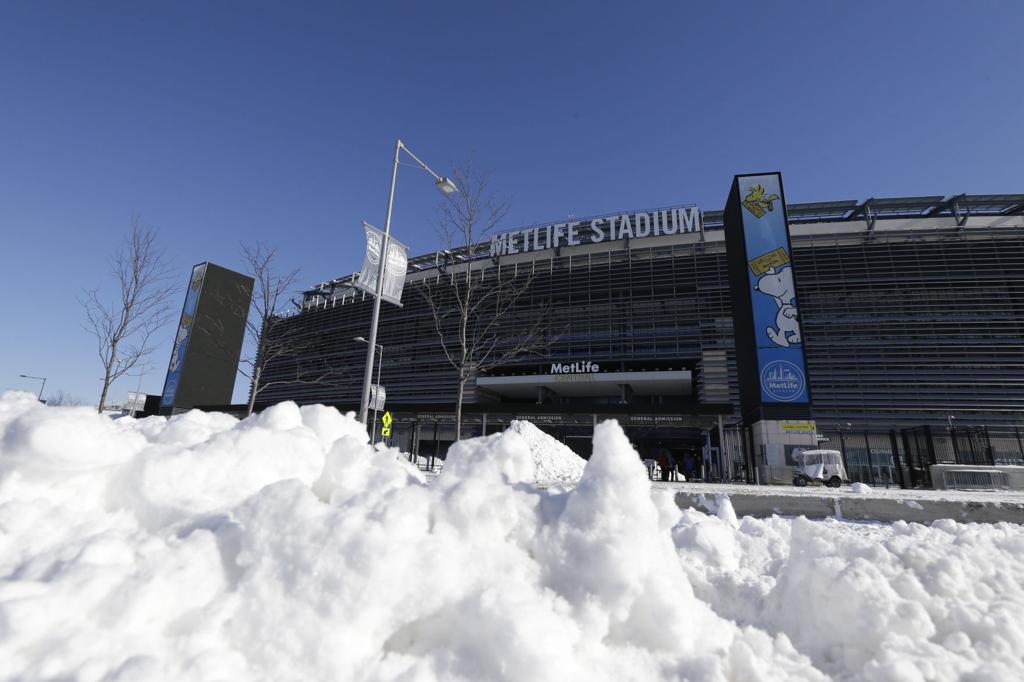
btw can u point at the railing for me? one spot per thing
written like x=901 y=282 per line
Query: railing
x=976 y=480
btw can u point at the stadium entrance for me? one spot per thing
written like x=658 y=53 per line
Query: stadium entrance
x=653 y=401
x=683 y=437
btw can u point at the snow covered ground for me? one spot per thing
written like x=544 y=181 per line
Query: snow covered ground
x=283 y=547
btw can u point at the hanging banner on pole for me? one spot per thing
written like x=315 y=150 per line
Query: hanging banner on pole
x=377 y=397
x=394 y=273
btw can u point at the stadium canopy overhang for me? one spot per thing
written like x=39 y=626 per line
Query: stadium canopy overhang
x=593 y=385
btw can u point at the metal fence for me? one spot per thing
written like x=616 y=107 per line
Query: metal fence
x=976 y=480
x=897 y=458
x=904 y=457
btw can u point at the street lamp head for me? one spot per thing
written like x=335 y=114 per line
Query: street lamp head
x=359 y=339
x=446 y=186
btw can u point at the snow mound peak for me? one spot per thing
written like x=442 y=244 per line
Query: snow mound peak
x=554 y=461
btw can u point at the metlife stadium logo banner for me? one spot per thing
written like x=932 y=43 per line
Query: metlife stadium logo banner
x=780 y=352
x=394 y=272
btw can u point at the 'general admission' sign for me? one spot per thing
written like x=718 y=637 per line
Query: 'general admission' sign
x=597 y=230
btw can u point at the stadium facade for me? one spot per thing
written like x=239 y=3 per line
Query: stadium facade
x=911 y=310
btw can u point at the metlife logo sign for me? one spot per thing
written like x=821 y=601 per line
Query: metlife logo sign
x=783 y=381
x=578 y=367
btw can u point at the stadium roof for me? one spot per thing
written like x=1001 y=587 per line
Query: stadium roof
x=896 y=207
x=959 y=206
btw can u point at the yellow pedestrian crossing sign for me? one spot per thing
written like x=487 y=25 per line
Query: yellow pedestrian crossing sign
x=385 y=429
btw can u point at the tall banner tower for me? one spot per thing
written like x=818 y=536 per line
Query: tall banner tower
x=208 y=342
x=774 y=390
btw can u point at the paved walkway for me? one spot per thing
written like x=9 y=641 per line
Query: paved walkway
x=876 y=504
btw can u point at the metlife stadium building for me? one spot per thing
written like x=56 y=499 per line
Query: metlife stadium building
x=911 y=321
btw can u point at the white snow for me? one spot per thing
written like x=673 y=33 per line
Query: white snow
x=554 y=462
x=870 y=601
x=284 y=547
x=859 y=488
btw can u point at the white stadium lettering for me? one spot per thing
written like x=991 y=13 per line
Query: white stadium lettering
x=639 y=225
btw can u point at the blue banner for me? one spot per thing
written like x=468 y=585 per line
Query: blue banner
x=188 y=314
x=780 y=350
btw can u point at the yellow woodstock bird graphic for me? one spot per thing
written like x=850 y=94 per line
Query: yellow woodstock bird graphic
x=757 y=203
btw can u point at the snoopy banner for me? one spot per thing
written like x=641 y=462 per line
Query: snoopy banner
x=776 y=320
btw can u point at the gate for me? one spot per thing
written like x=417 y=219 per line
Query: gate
x=971 y=445
x=920 y=452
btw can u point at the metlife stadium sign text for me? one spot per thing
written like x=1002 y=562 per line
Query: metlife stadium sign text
x=597 y=230
x=780 y=355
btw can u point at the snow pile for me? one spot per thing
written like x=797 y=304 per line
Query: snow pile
x=554 y=462
x=860 y=488
x=284 y=547
x=869 y=601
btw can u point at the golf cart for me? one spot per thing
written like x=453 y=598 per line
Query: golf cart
x=819 y=467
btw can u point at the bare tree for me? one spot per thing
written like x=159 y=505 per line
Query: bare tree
x=272 y=340
x=471 y=302
x=124 y=327
x=61 y=398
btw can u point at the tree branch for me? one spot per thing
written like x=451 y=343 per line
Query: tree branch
x=125 y=327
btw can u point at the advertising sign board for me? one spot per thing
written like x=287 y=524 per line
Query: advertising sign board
x=136 y=402
x=397 y=262
x=377 y=397
x=781 y=368
x=181 y=339
x=208 y=340
x=770 y=359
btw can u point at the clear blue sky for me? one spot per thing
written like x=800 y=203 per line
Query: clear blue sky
x=228 y=121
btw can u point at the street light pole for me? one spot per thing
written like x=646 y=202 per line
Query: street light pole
x=43 y=379
x=842 y=446
x=380 y=364
x=952 y=437
x=138 y=390
x=446 y=186
x=371 y=345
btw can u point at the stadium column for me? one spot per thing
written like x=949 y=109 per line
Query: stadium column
x=774 y=390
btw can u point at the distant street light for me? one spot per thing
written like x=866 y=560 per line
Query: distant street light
x=446 y=186
x=43 y=379
x=842 y=445
x=952 y=437
x=380 y=361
